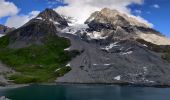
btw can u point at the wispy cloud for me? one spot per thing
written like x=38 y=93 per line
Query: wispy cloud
x=155 y=6
x=19 y=20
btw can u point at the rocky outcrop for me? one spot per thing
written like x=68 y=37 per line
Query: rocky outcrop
x=4 y=29
x=4 y=71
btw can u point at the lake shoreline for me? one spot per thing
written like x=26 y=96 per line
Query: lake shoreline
x=66 y=83
x=118 y=84
x=14 y=86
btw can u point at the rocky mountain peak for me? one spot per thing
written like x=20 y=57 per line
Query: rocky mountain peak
x=36 y=31
x=108 y=12
x=121 y=26
x=114 y=18
x=51 y=15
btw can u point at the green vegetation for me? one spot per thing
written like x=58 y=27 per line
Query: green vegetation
x=166 y=55
x=4 y=41
x=37 y=63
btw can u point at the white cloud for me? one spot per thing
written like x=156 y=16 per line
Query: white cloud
x=155 y=6
x=19 y=20
x=139 y=18
x=81 y=9
x=7 y=8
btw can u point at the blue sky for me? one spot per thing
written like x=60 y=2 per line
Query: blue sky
x=160 y=17
x=156 y=12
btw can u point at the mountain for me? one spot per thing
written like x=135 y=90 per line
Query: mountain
x=110 y=48
x=35 y=52
x=117 y=48
x=47 y=23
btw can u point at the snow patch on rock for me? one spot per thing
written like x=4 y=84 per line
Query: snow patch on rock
x=1 y=35
x=40 y=18
x=68 y=65
x=107 y=64
x=127 y=53
x=55 y=22
x=95 y=64
x=117 y=77
x=67 y=49
x=145 y=69
x=102 y=64
x=110 y=46
x=96 y=35
x=57 y=69
x=75 y=28
x=145 y=45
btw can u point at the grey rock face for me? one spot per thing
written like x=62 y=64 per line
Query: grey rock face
x=51 y=15
x=117 y=62
x=4 y=29
x=33 y=32
x=4 y=70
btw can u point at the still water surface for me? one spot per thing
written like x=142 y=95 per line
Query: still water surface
x=86 y=92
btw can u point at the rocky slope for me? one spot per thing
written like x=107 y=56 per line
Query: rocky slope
x=115 y=51
x=4 y=70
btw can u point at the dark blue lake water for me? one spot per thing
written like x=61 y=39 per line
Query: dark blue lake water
x=86 y=92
